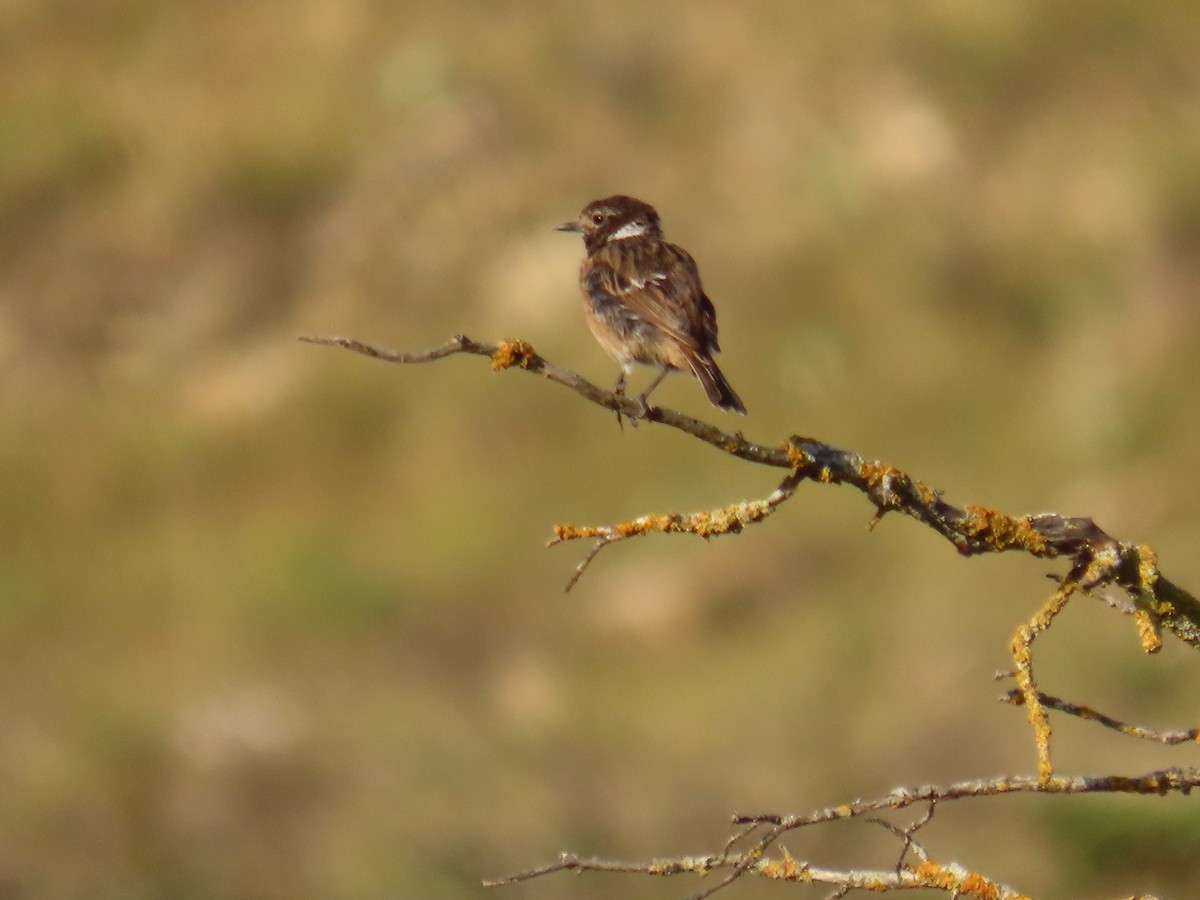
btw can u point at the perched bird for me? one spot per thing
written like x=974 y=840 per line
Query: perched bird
x=643 y=298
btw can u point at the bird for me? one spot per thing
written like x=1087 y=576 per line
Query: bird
x=644 y=301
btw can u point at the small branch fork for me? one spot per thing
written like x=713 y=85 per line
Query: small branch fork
x=757 y=834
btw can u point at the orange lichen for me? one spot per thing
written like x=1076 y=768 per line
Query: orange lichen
x=1149 y=631
x=576 y=532
x=977 y=886
x=1022 y=658
x=874 y=473
x=1147 y=567
x=512 y=352
x=729 y=519
x=968 y=884
x=646 y=524
x=934 y=875
x=1001 y=532
x=786 y=869
x=792 y=869
x=797 y=456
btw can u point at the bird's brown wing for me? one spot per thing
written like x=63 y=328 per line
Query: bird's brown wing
x=660 y=284
x=657 y=285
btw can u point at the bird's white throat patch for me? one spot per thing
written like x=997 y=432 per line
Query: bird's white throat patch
x=634 y=228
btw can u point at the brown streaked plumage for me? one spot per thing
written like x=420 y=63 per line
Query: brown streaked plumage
x=643 y=298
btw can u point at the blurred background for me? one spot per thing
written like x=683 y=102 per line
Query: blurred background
x=277 y=621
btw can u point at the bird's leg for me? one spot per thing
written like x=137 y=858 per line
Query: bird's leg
x=619 y=390
x=646 y=393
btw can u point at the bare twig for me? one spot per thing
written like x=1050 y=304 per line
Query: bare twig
x=1169 y=737
x=905 y=834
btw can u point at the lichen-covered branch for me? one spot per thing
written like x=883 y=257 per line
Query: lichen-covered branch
x=951 y=879
x=729 y=519
x=518 y=354
x=1097 y=561
x=1156 y=602
x=745 y=853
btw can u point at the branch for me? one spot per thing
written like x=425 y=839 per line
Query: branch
x=951 y=879
x=729 y=519
x=515 y=353
x=765 y=830
x=1169 y=737
x=1097 y=557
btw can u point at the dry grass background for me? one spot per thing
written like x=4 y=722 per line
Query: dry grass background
x=276 y=621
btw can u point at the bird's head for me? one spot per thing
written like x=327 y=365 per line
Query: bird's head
x=613 y=219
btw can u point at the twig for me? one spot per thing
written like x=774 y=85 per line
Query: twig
x=729 y=519
x=516 y=353
x=905 y=834
x=1169 y=737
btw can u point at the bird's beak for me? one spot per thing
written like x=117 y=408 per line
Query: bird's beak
x=573 y=225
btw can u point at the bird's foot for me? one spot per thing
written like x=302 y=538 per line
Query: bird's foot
x=643 y=407
x=619 y=390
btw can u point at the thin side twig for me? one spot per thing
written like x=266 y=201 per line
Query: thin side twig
x=1169 y=737
x=730 y=519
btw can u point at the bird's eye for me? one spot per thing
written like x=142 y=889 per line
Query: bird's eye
x=597 y=219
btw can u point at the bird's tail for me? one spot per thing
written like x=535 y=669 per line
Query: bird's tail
x=716 y=388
